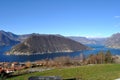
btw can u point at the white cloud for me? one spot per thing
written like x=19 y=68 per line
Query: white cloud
x=116 y=16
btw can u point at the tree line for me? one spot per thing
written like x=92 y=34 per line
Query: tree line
x=100 y=58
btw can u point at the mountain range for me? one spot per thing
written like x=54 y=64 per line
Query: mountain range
x=18 y=42
x=38 y=43
x=85 y=40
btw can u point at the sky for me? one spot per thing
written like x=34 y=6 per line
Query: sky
x=89 y=18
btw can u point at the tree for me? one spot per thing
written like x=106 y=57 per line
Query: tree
x=62 y=61
x=108 y=57
x=82 y=57
x=92 y=59
x=3 y=75
x=101 y=57
x=28 y=64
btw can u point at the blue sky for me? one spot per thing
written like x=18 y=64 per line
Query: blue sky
x=91 y=18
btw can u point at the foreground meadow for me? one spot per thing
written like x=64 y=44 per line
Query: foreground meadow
x=88 y=72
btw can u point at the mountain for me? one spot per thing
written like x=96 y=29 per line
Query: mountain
x=38 y=44
x=100 y=41
x=7 y=39
x=85 y=40
x=113 y=41
x=9 y=35
x=21 y=38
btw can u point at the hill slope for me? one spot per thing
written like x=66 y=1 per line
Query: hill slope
x=46 y=44
x=6 y=39
x=113 y=41
x=88 y=72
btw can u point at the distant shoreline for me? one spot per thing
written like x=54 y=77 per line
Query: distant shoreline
x=28 y=54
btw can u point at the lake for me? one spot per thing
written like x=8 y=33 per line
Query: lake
x=23 y=58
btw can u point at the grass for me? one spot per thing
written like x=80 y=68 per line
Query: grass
x=89 y=72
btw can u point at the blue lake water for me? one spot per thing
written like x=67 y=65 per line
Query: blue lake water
x=23 y=58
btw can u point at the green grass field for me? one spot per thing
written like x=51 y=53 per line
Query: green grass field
x=89 y=72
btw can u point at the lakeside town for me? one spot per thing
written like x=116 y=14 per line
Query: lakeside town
x=10 y=67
